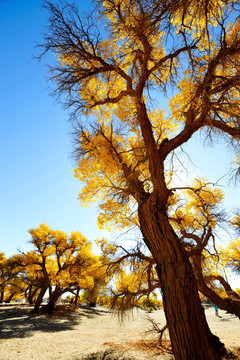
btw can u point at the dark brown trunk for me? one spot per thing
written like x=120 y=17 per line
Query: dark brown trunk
x=227 y=288
x=28 y=294
x=7 y=301
x=31 y=296
x=190 y=335
x=44 y=285
x=39 y=298
x=92 y=303
x=76 y=296
x=93 y=295
x=2 y=295
x=52 y=300
x=232 y=306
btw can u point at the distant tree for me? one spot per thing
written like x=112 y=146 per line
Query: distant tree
x=12 y=282
x=116 y=74
x=3 y=262
x=100 y=280
x=60 y=263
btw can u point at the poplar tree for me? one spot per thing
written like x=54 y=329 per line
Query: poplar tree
x=115 y=67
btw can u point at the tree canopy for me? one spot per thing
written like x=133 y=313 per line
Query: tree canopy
x=58 y=263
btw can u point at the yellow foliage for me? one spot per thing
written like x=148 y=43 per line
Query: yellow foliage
x=231 y=255
x=66 y=260
x=3 y=259
x=198 y=206
x=132 y=281
x=113 y=77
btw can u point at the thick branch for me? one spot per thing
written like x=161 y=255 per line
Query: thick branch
x=231 y=293
x=232 y=131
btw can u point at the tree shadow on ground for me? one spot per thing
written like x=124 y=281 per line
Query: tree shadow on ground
x=20 y=321
x=92 y=311
x=228 y=318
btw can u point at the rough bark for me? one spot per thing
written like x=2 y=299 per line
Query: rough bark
x=189 y=332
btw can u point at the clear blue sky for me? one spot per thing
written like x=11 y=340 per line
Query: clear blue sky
x=36 y=181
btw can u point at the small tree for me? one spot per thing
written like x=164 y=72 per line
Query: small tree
x=59 y=263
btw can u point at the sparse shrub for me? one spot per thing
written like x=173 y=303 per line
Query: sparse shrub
x=106 y=355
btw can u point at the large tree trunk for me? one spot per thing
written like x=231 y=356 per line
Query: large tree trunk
x=190 y=335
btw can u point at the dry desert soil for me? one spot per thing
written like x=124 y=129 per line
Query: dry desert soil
x=72 y=335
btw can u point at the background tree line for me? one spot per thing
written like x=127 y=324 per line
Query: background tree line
x=58 y=264
x=118 y=277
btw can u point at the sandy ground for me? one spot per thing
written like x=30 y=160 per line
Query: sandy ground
x=70 y=335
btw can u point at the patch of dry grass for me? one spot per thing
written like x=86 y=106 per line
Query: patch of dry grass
x=144 y=345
